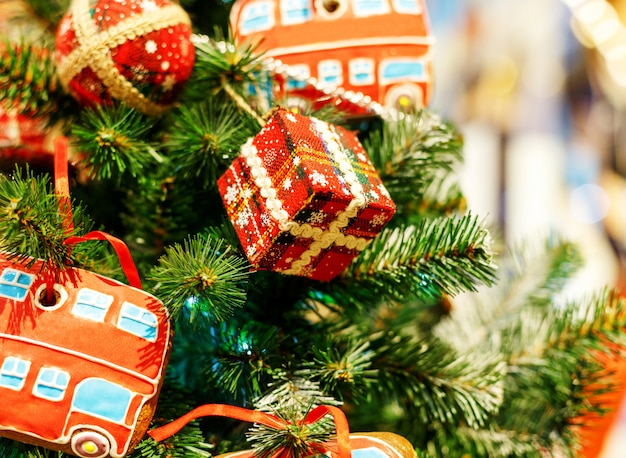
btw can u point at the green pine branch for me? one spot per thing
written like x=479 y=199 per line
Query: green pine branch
x=291 y=401
x=434 y=383
x=535 y=275
x=530 y=277
x=31 y=224
x=414 y=157
x=550 y=347
x=203 y=139
x=242 y=365
x=189 y=442
x=487 y=442
x=221 y=66
x=442 y=256
x=50 y=10
x=203 y=274
x=115 y=142
x=13 y=449
x=343 y=369
x=443 y=196
x=28 y=81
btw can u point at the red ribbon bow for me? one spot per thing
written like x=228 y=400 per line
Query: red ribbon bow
x=263 y=418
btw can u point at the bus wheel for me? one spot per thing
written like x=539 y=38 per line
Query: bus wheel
x=90 y=444
x=405 y=98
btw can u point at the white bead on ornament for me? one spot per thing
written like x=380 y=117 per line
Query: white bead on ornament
x=136 y=51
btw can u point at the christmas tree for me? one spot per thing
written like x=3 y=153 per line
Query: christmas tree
x=431 y=331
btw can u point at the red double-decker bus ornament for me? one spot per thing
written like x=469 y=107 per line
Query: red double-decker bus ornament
x=356 y=54
x=82 y=356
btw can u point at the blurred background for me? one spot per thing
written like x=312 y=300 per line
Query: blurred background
x=538 y=89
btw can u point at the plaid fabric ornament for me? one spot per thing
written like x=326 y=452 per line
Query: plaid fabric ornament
x=304 y=197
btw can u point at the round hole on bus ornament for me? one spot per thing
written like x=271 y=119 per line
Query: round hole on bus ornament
x=47 y=299
x=331 y=5
x=44 y=300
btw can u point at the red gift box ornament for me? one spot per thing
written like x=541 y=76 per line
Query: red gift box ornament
x=304 y=197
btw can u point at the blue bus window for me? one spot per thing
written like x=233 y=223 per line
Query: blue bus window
x=51 y=383
x=295 y=11
x=256 y=16
x=407 y=6
x=330 y=72
x=14 y=284
x=369 y=452
x=370 y=7
x=103 y=399
x=13 y=373
x=361 y=72
x=402 y=69
x=138 y=321
x=92 y=305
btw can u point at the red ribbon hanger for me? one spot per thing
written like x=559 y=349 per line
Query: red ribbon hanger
x=62 y=190
x=263 y=418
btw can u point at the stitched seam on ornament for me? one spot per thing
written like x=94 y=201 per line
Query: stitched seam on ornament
x=333 y=235
x=94 y=49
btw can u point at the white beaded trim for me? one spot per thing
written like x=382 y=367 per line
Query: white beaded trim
x=356 y=98
x=276 y=66
x=94 y=50
x=322 y=239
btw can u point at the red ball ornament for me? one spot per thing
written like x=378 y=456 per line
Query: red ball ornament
x=136 y=51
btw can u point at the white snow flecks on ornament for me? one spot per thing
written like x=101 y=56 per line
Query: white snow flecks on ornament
x=318 y=178
x=383 y=191
x=149 y=5
x=244 y=217
x=151 y=46
x=231 y=194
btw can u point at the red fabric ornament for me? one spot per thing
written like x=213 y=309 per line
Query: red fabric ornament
x=82 y=356
x=304 y=197
x=18 y=131
x=23 y=139
x=349 y=52
x=81 y=373
x=136 y=51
